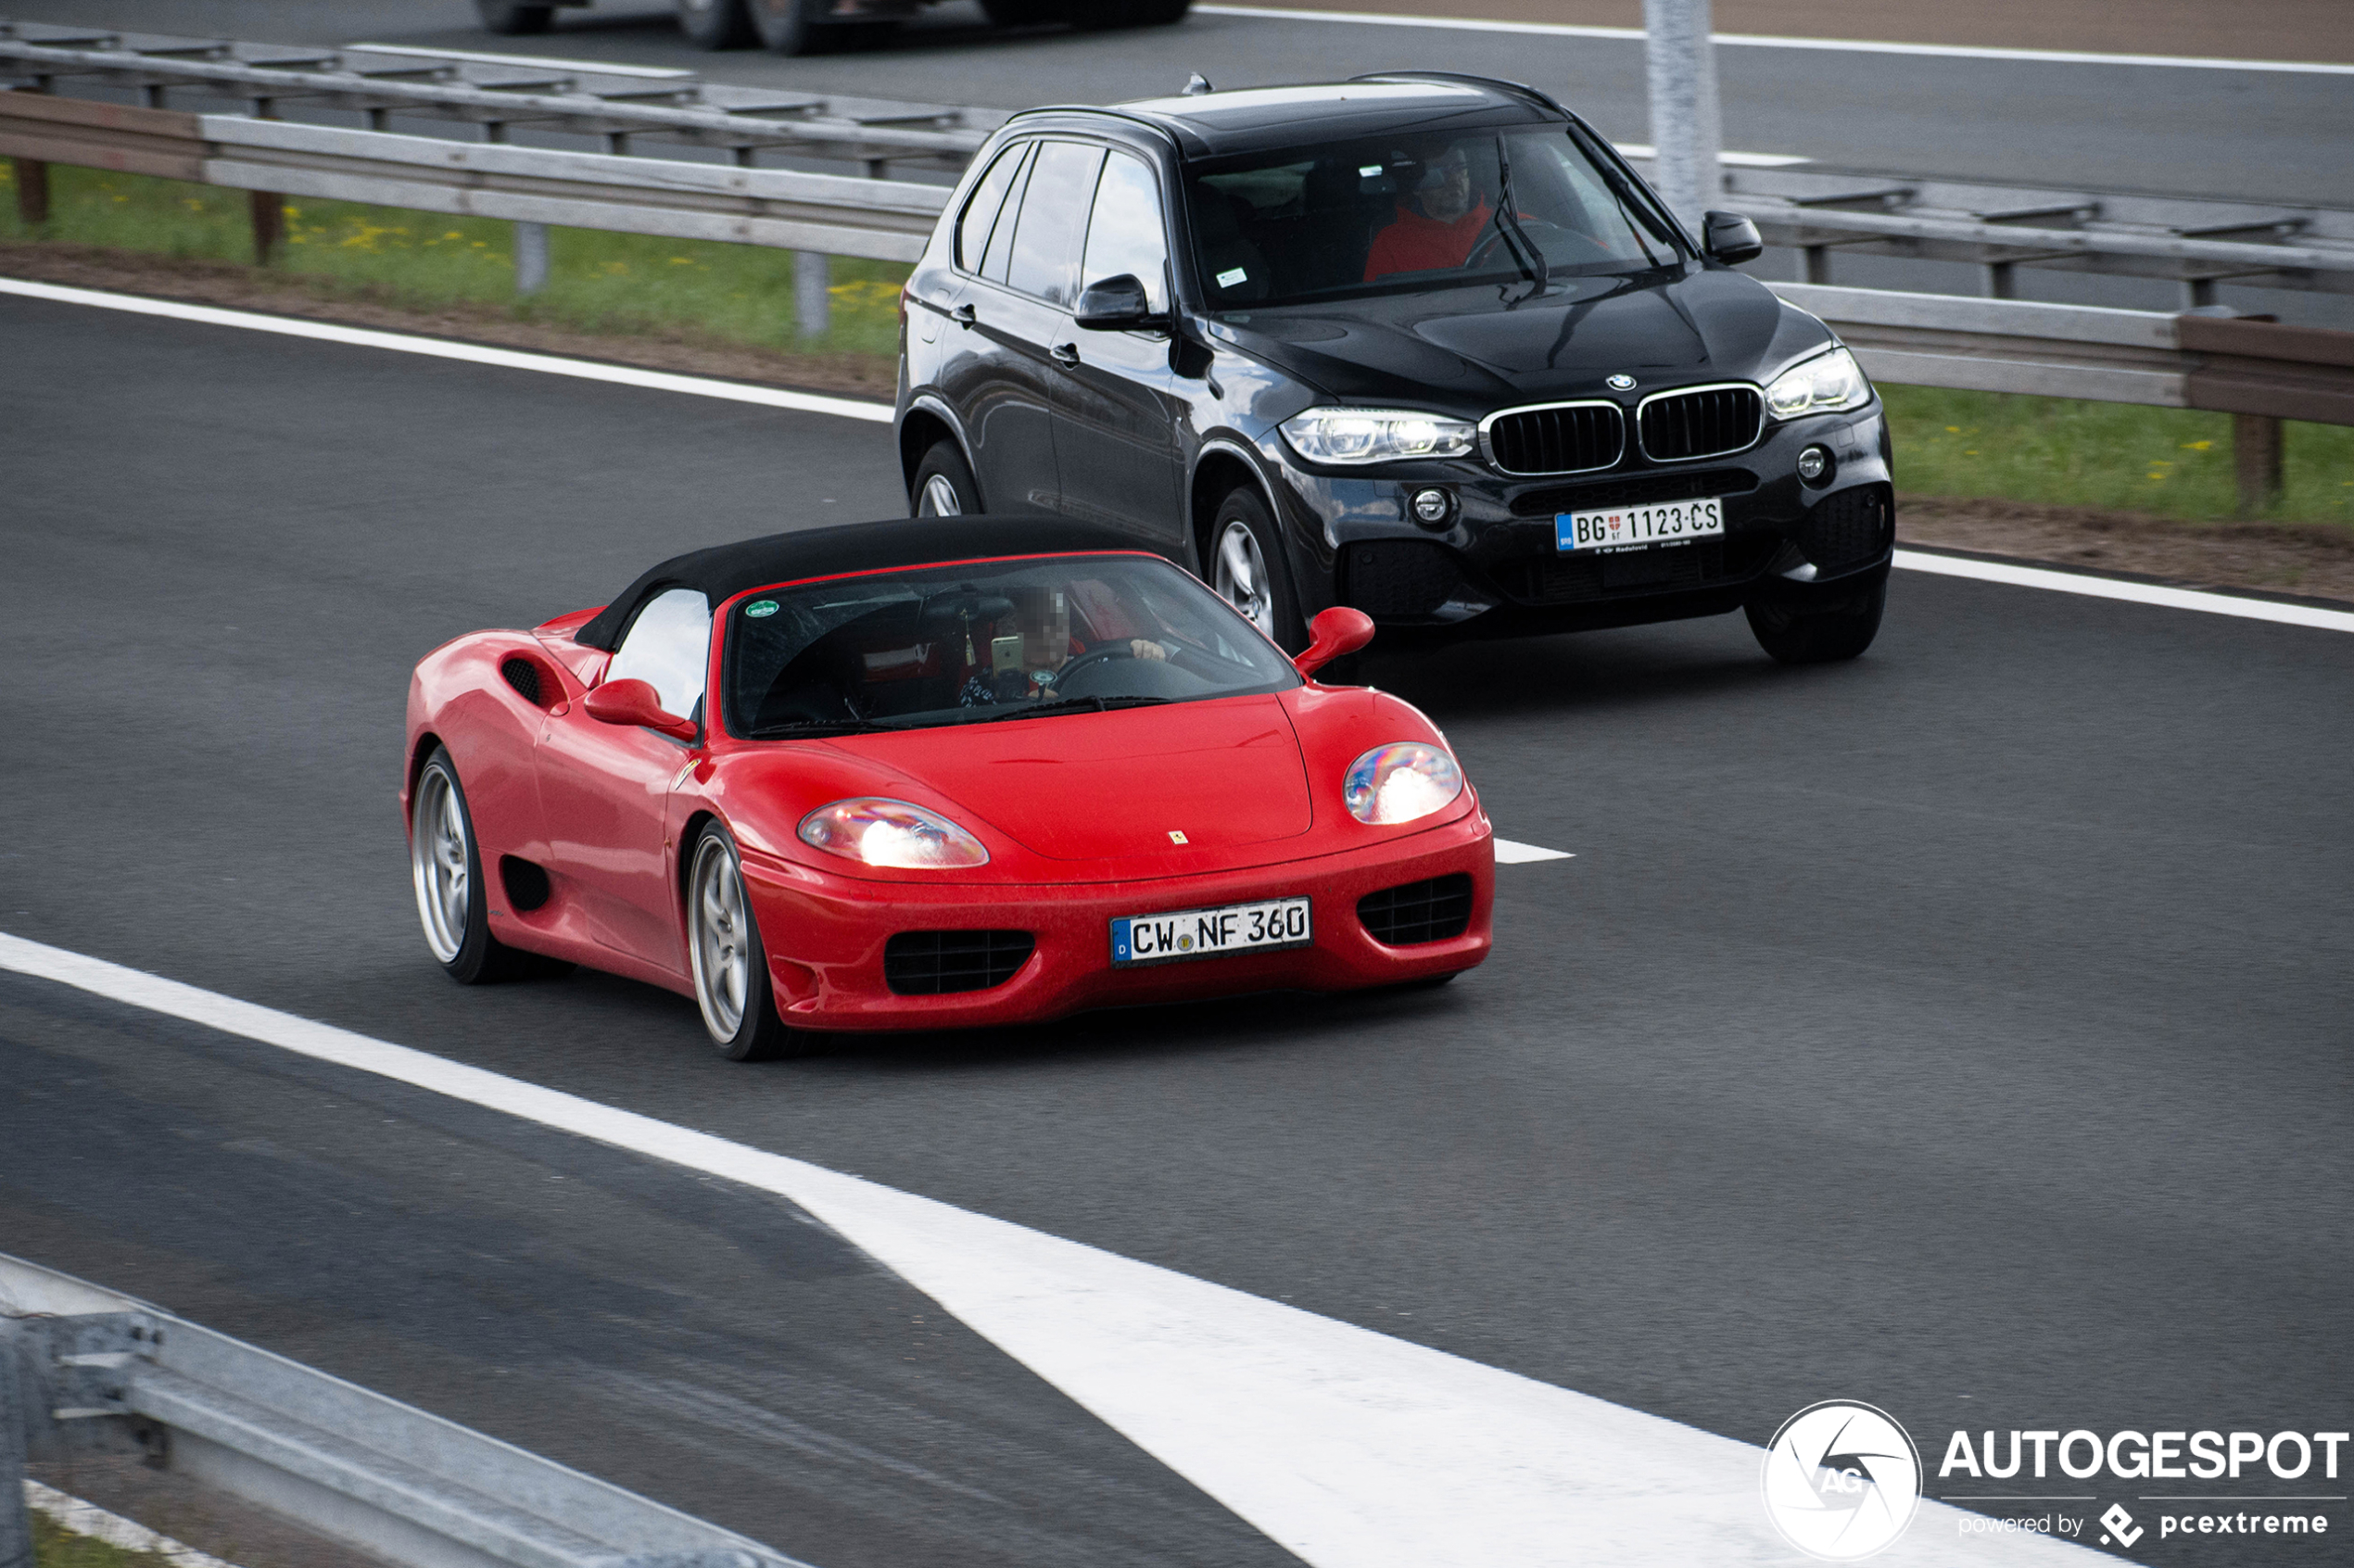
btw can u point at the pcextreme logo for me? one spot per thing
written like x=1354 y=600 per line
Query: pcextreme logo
x=1841 y=1480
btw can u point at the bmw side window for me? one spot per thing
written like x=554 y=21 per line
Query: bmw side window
x=1126 y=233
x=668 y=647
x=1053 y=216
x=988 y=200
x=1001 y=238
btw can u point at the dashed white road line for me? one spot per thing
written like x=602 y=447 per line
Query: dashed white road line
x=881 y=413
x=1763 y=41
x=1348 y=1447
x=1511 y=853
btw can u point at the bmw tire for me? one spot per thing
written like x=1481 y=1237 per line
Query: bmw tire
x=1809 y=633
x=445 y=866
x=804 y=27
x=729 y=963
x=943 y=485
x=1244 y=566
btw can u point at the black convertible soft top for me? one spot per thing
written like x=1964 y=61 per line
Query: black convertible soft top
x=726 y=569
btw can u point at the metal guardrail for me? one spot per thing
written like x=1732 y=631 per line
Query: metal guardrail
x=95 y=1371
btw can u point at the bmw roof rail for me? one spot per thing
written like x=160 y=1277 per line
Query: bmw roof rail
x=1536 y=95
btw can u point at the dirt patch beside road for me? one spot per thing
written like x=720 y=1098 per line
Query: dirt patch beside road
x=2309 y=560
x=2319 y=30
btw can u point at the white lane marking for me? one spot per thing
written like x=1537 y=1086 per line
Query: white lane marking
x=71 y=1515
x=1762 y=40
x=881 y=413
x=1511 y=853
x=441 y=348
x=586 y=68
x=1734 y=160
x=1348 y=1447
x=2136 y=593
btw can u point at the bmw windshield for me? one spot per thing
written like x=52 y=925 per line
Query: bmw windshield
x=1408 y=212
x=941 y=645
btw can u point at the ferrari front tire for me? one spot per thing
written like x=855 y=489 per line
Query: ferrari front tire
x=445 y=863
x=730 y=966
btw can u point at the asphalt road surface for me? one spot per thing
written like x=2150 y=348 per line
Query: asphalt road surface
x=1965 y=1028
x=2262 y=137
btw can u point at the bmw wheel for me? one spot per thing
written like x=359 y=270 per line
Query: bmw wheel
x=716 y=24
x=514 y=18
x=1247 y=569
x=730 y=966
x=445 y=865
x=944 y=483
x=1823 y=634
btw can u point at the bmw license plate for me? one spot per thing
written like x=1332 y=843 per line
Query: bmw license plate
x=1211 y=933
x=1632 y=528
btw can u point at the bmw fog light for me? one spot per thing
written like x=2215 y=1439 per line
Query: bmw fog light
x=1814 y=466
x=1432 y=508
x=1401 y=782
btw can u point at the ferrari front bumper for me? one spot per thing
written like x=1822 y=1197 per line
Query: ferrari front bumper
x=826 y=934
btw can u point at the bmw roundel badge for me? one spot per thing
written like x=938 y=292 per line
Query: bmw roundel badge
x=1622 y=382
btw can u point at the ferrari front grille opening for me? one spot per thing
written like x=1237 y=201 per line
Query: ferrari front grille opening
x=1438 y=910
x=1697 y=425
x=934 y=963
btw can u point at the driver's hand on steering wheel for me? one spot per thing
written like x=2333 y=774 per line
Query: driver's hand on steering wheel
x=1146 y=648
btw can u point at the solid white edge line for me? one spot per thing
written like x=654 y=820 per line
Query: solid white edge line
x=442 y=349
x=1762 y=40
x=1510 y=852
x=1348 y=1447
x=586 y=68
x=2132 y=593
x=70 y=1513
x=881 y=413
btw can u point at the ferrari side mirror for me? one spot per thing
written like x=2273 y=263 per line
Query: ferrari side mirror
x=1332 y=635
x=1730 y=237
x=636 y=702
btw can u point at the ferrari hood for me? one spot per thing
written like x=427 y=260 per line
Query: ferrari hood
x=1121 y=785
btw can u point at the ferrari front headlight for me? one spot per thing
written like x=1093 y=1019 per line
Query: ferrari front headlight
x=1823 y=385
x=1352 y=435
x=883 y=832
x=1401 y=782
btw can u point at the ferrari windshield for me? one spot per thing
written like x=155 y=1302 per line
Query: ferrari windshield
x=1406 y=212
x=941 y=645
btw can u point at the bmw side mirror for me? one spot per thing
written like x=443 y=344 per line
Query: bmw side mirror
x=1730 y=238
x=1116 y=304
x=636 y=702
x=1334 y=634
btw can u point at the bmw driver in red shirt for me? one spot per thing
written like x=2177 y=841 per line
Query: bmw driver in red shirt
x=1437 y=226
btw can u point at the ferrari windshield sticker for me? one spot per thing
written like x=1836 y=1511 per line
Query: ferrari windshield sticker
x=760 y=607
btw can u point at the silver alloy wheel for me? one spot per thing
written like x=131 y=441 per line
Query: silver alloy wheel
x=939 y=499
x=438 y=862
x=1241 y=574
x=719 y=940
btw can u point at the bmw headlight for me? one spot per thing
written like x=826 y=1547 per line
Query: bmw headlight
x=882 y=832
x=1822 y=384
x=1401 y=782
x=1376 y=434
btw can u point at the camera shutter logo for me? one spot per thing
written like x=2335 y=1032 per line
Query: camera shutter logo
x=1841 y=1480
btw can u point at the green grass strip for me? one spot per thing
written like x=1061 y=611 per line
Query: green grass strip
x=54 y=1547
x=597 y=282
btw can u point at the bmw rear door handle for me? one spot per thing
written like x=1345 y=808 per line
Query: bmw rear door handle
x=1066 y=354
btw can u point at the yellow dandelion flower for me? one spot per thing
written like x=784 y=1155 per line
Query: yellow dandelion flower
x=2196 y=446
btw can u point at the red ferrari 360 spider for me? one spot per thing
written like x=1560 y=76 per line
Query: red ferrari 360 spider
x=943 y=771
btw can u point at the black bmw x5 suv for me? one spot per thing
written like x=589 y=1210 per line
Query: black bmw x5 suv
x=1419 y=343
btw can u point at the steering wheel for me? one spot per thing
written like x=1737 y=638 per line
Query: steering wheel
x=1094 y=655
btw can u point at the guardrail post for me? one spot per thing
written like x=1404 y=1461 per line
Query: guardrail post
x=33 y=191
x=2257 y=446
x=813 y=299
x=268 y=224
x=16 y=1420
x=531 y=257
x=2002 y=280
x=1686 y=128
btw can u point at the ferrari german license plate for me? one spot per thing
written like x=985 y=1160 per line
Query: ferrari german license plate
x=1211 y=933
x=1631 y=528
